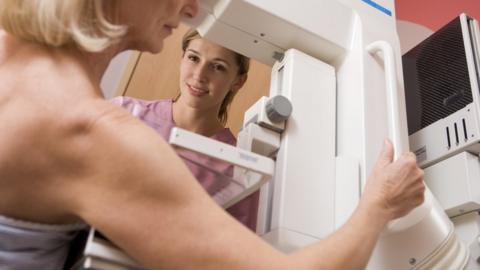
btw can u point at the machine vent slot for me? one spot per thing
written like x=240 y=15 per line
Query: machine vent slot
x=437 y=82
x=448 y=139
x=456 y=133
x=465 y=134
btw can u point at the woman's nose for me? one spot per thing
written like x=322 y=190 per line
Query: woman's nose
x=190 y=8
x=200 y=72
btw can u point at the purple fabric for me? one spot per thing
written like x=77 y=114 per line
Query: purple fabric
x=158 y=115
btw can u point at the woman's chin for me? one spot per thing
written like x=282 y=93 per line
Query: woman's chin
x=152 y=48
x=156 y=49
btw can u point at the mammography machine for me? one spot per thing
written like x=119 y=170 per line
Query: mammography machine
x=336 y=92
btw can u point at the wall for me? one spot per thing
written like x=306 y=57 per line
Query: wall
x=417 y=19
x=113 y=75
x=433 y=14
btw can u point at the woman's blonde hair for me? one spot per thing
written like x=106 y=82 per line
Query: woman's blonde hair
x=60 y=22
x=243 y=63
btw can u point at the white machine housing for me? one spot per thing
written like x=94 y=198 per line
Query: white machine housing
x=444 y=103
x=442 y=80
x=456 y=183
x=338 y=62
x=346 y=89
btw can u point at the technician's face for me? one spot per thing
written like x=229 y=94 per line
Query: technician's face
x=151 y=21
x=207 y=73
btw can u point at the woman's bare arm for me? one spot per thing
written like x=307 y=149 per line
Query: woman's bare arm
x=143 y=198
x=67 y=155
x=392 y=190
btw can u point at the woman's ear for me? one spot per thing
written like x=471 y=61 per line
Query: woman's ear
x=238 y=83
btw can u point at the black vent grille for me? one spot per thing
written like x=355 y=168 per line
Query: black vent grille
x=436 y=77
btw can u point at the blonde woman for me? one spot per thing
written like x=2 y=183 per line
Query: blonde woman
x=210 y=77
x=67 y=156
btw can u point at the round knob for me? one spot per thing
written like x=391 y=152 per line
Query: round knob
x=278 y=109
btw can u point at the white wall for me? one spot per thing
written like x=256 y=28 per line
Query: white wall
x=114 y=73
x=411 y=34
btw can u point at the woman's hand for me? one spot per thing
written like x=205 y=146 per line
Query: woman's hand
x=394 y=188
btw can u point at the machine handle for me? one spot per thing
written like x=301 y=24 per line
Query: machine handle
x=392 y=95
x=419 y=213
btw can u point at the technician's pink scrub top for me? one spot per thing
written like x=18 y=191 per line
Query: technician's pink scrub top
x=158 y=115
